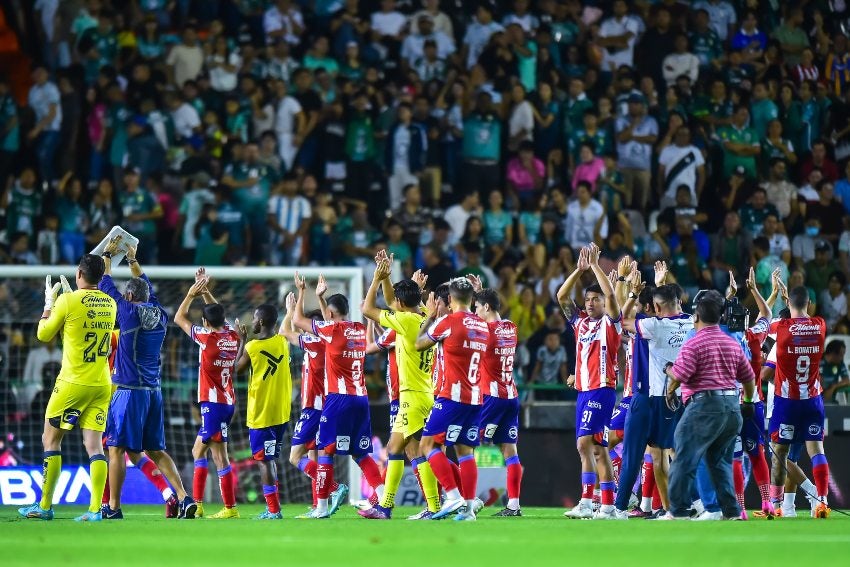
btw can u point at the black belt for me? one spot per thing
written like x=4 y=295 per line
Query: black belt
x=710 y=393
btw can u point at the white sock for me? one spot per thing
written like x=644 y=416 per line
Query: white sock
x=167 y=493
x=470 y=506
x=380 y=492
x=453 y=494
x=586 y=502
x=513 y=504
x=322 y=505
x=646 y=503
x=809 y=488
x=698 y=506
x=788 y=499
x=606 y=508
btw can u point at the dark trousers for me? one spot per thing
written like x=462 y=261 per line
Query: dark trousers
x=708 y=429
x=480 y=177
x=634 y=445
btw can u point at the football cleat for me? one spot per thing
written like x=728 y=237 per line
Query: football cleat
x=316 y=515
x=423 y=515
x=658 y=514
x=189 y=509
x=465 y=516
x=789 y=512
x=270 y=516
x=172 y=507
x=338 y=496
x=621 y=514
x=768 y=510
x=306 y=515
x=226 y=514
x=638 y=513
x=364 y=504
x=109 y=514
x=199 y=509
x=36 y=512
x=707 y=516
x=605 y=515
x=90 y=517
x=477 y=505
x=508 y=513
x=580 y=512
x=822 y=511
x=376 y=513
x=744 y=516
x=449 y=507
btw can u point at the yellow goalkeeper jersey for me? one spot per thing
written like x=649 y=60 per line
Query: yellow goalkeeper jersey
x=85 y=318
x=414 y=367
x=270 y=387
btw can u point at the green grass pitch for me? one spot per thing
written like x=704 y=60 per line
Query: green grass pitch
x=541 y=537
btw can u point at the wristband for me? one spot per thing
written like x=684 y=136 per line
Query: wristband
x=633 y=295
x=133 y=261
x=747 y=400
x=621 y=278
x=107 y=255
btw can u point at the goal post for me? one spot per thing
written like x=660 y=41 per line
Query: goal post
x=239 y=289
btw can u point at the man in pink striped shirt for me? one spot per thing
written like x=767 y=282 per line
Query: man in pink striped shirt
x=708 y=368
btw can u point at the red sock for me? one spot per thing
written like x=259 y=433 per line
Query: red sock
x=442 y=468
x=656 y=498
x=199 y=480
x=324 y=477
x=616 y=461
x=469 y=476
x=514 y=476
x=457 y=476
x=415 y=467
x=228 y=487
x=761 y=474
x=105 y=498
x=738 y=481
x=315 y=496
x=607 y=496
x=370 y=470
x=647 y=486
x=153 y=474
x=272 y=498
x=820 y=474
x=310 y=468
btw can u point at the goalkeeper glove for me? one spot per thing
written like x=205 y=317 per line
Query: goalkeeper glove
x=51 y=290
x=66 y=287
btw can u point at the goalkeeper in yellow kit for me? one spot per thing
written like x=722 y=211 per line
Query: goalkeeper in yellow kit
x=85 y=318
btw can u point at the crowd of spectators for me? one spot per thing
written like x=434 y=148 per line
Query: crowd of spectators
x=487 y=137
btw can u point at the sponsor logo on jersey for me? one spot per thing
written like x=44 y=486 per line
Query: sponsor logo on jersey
x=472 y=433
x=786 y=431
x=453 y=432
x=270 y=447
x=96 y=300
x=351 y=333
x=490 y=430
x=594 y=404
x=227 y=344
x=803 y=328
x=512 y=432
x=343 y=443
x=814 y=429
x=504 y=332
x=364 y=443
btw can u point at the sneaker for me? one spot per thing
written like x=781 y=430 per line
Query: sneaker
x=189 y=509
x=638 y=513
x=316 y=515
x=449 y=507
x=90 y=517
x=658 y=514
x=108 y=513
x=338 y=496
x=621 y=514
x=508 y=513
x=306 y=515
x=822 y=511
x=226 y=514
x=784 y=512
x=634 y=501
x=477 y=505
x=465 y=516
x=364 y=504
x=376 y=513
x=36 y=512
x=423 y=515
x=580 y=512
x=199 y=509
x=605 y=515
x=707 y=516
x=172 y=507
x=668 y=516
x=270 y=516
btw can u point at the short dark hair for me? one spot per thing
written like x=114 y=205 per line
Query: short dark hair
x=442 y=292
x=315 y=314
x=646 y=294
x=834 y=346
x=268 y=314
x=139 y=288
x=666 y=294
x=461 y=290
x=490 y=298
x=710 y=307
x=798 y=298
x=407 y=292
x=214 y=314
x=762 y=243
x=593 y=288
x=92 y=268
x=339 y=303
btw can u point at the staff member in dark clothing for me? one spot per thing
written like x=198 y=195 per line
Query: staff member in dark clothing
x=707 y=368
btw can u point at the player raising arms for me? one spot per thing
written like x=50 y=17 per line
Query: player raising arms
x=414 y=379
x=269 y=395
x=597 y=330
x=81 y=394
x=463 y=338
x=499 y=418
x=798 y=413
x=219 y=346
x=345 y=427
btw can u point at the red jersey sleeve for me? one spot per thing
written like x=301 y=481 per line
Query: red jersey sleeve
x=441 y=329
x=324 y=330
x=387 y=339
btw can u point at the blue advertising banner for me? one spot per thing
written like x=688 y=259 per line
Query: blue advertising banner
x=20 y=486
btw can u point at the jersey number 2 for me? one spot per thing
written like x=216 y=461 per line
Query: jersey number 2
x=89 y=354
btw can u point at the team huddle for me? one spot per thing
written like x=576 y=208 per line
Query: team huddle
x=451 y=384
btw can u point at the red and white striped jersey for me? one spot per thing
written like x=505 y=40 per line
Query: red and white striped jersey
x=597 y=343
x=463 y=338
x=345 y=352
x=755 y=337
x=217 y=358
x=387 y=342
x=312 y=371
x=799 y=348
x=497 y=363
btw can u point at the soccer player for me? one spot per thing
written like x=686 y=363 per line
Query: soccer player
x=414 y=381
x=269 y=396
x=219 y=345
x=453 y=421
x=597 y=331
x=81 y=394
x=798 y=413
x=499 y=419
x=345 y=427
x=136 y=418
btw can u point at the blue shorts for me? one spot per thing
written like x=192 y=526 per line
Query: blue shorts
x=499 y=420
x=215 y=421
x=136 y=421
x=795 y=451
x=394 y=405
x=618 y=420
x=345 y=425
x=593 y=414
x=662 y=423
x=797 y=420
x=267 y=442
x=752 y=431
x=451 y=423
x=307 y=428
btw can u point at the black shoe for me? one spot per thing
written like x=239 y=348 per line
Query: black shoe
x=188 y=507
x=656 y=515
x=508 y=513
x=108 y=513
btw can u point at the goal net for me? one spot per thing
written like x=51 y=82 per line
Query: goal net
x=28 y=368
